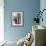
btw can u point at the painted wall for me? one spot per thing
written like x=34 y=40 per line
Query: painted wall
x=43 y=6
x=30 y=7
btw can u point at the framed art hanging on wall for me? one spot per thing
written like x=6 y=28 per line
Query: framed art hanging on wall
x=17 y=18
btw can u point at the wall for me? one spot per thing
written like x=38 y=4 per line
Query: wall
x=43 y=6
x=30 y=7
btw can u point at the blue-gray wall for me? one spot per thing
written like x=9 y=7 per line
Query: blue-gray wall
x=43 y=6
x=30 y=7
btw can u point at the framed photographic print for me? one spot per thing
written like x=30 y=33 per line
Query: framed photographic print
x=17 y=18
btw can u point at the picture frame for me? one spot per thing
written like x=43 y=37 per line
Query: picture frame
x=18 y=18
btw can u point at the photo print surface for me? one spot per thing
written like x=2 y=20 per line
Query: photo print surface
x=17 y=18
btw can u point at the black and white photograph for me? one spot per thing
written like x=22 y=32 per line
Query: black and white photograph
x=17 y=18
